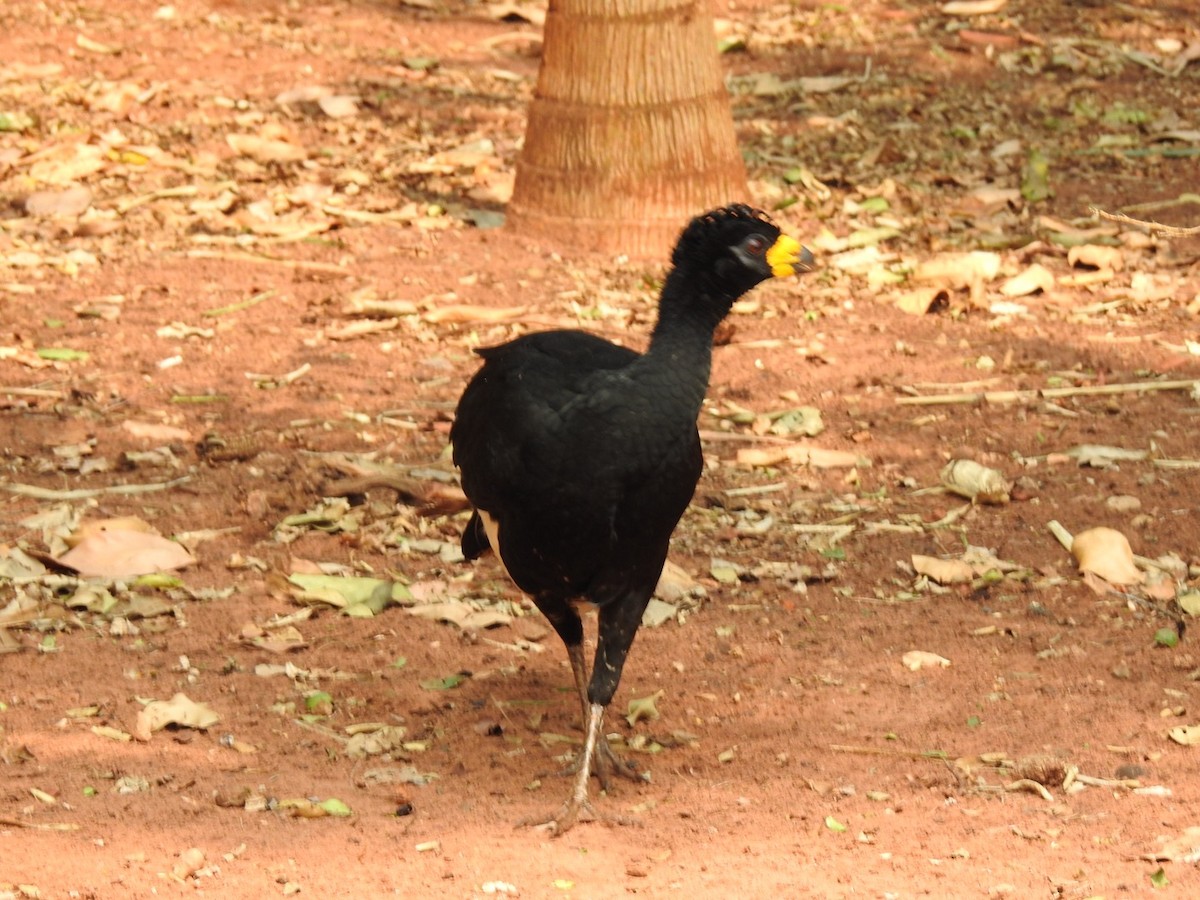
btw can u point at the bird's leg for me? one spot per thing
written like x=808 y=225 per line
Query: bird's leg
x=578 y=804
x=595 y=693
x=606 y=761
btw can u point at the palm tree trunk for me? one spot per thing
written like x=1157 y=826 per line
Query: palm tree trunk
x=630 y=132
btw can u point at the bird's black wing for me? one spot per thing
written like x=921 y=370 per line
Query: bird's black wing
x=529 y=457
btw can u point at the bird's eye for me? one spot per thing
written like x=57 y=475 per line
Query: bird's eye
x=756 y=244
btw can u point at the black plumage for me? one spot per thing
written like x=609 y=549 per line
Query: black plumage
x=579 y=457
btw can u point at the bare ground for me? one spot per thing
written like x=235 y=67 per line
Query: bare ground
x=795 y=754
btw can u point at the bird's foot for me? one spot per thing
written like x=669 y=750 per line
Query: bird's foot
x=605 y=763
x=574 y=810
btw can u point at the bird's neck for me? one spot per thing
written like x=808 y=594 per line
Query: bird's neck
x=680 y=354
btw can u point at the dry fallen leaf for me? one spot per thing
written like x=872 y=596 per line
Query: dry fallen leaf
x=179 y=710
x=644 y=708
x=1188 y=735
x=976 y=482
x=124 y=552
x=1097 y=256
x=1106 y=552
x=960 y=270
x=462 y=614
x=921 y=659
x=798 y=454
x=265 y=150
x=72 y=201
x=1184 y=848
x=943 y=571
x=153 y=431
x=1033 y=279
x=190 y=862
x=674 y=582
x=90 y=528
x=973 y=7
x=463 y=312
x=919 y=301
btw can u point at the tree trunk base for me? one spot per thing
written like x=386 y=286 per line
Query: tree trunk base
x=630 y=131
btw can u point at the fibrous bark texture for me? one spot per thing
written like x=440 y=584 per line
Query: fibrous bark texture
x=630 y=132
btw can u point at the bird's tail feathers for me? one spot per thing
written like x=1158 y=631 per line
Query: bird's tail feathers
x=474 y=539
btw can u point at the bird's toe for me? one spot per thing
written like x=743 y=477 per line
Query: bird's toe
x=566 y=816
x=563 y=819
x=608 y=763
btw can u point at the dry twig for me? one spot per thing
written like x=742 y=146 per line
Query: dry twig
x=1151 y=227
x=1136 y=387
x=41 y=493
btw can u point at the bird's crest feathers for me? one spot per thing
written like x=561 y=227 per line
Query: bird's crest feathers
x=714 y=225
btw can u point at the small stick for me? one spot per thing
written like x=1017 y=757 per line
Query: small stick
x=322 y=730
x=41 y=493
x=131 y=203
x=889 y=751
x=715 y=436
x=1028 y=784
x=31 y=392
x=310 y=265
x=237 y=307
x=1093 y=781
x=1152 y=227
x=1061 y=534
x=40 y=826
x=1135 y=387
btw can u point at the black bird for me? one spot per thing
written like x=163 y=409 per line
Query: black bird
x=579 y=457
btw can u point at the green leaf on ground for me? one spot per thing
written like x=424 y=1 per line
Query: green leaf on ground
x=63 y=354
x=335 y=807
x=1166 y=637
x=1035 y=180
x=834 y=825
x=443 y=684
x=643 y=708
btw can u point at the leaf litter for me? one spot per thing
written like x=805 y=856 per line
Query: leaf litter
x=1104 y=296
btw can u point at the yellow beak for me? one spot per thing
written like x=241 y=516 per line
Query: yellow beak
x=787 y=257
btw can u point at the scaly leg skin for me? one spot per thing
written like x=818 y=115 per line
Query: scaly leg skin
x=578 y=804
x=605 y=761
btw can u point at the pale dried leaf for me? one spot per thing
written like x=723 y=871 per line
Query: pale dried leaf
x=72 y=201
x=156 y=432
x=265 y=150
x=121 y=553
x=1188 y=735
x=458 y=313
x=644 y=708
x=973 y=7
x=179 y=710
x=1097 y=256
x=339 y=106
x=1100 y=456
x=1184 y=847
x=1034 y=279
x=923 y=659
x=919 y=301
x=674 y=582
x=1106 y=552
x=976 y=482
x=461 y=614
x=90 y=528
x=943 y=571
x=376 y=742
x=960 y=270
x=799 y=454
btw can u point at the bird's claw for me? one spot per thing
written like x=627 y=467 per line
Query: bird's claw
x=560 y=822
x=605 y=763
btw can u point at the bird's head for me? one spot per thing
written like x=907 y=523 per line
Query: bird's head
x=738 y=247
